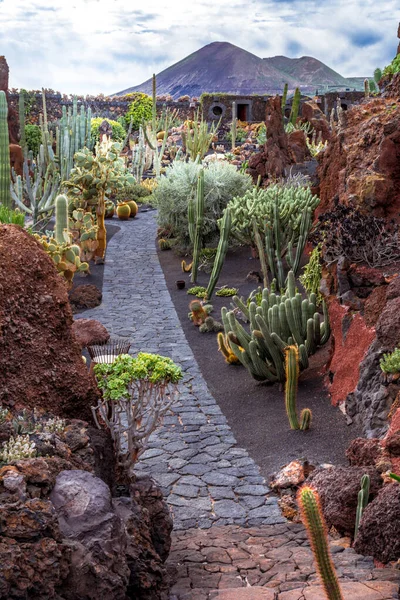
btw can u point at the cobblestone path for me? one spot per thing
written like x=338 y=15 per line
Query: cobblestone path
x=250 y=552
x=193 y=456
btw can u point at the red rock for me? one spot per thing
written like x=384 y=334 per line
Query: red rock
x=85 y=296
x=374 y=305
x=245 y=593
x=388 y=325
x=40 y=361
x=89 y=331
x=348 y=351
x=298 y=148
x=364 y=452
x=311 y=113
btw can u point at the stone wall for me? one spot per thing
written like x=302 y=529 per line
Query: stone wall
x=102 y=106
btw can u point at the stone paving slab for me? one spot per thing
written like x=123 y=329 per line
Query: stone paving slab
x=206 y=478
x=268 y=563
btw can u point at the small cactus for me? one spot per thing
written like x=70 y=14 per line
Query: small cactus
x=314 y=522
x=164 y=244
x=210 y=325
x=305 y=419
x=224 y=347
x=363 y=496
x=199 y=315
x=61 y=218
x=186 y=268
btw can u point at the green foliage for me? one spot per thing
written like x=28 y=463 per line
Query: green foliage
x=294 y=113
x=135 y=191
x=33 y=137
x=197 y=137
x=198 y=291
x=116 y=378
x=372 y=85
x=118 y=131
x=312 y=274
x=393 y=67
x=390 y=363
x=7 y=215
x=241 y=135
x=225 y=230
x=227 y=292
x=177 y=188
x=377 y=75
x=262 y=134
x=139 y=110
x=314 y=522
x=5 y=179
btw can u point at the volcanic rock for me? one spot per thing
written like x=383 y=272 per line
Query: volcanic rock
x=338 y=489
x=40 y=360
x=379 y=531
x=89 y=331
x=85 y=296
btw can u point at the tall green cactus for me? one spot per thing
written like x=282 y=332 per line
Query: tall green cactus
x=314 y=522
x=61 y=218
x=5 y=169
x=222 y=249
x=199 y=224
x=362 y=501
x=292 y=377
x=366 y=88
x=284 y=98
x=294 y=113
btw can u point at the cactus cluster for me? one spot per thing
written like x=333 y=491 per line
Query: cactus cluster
x=314 y=522
x=279 y=321
x=282 y=216
x=225 y=229
x=197 y=137
x=72 y=134
x=84 y=232
x=66 y=256
x=210 y=325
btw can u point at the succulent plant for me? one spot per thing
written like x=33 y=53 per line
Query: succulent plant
x=5 y=169
x=66 y=256
x=123 y=211
x=224 y=347
x=164 y=244
x=292 y=377
x=17 y=448
x=199 y=225
x=362 y=501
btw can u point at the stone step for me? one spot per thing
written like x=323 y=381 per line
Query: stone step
x=367 y=590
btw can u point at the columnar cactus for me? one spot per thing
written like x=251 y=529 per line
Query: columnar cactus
x=199 y=224
x=61 y=218
x=294 y=113
x=234 y=125
x=366 y=88
x=284 y=98
x=21 y=111
x=314 y=522
x=222 y=249
x=363 y=496
x=5 y=169
x=292 y=376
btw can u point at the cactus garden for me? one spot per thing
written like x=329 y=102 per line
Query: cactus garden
x=199 y=343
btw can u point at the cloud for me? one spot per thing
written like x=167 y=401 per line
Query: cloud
x=92 y=46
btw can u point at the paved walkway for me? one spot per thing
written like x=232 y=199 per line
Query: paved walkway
x=207 y=480
x=194 y=457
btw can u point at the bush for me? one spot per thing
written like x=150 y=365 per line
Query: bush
x=118 y=131
x=33 y=137
x=11 y=216
x=394 y=66
x=241 y=135
x=134 y=192
x=222 y=181
x=140 y=110
x=390 y=363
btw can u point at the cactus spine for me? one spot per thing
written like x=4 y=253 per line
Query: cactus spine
x=284 y=98
x=5 y=169
x=294 y=113
x=314 y=522
x=363 y=496
x=199 y=224
x=61 y=218
x=225 y=229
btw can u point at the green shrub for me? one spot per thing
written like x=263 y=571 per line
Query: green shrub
x=118 y=131
x=33 y=137
x=390 y=363
x=135 y=192
x=11 y=216
x=241 y=135
x=140 y=110
x=394 y=66
x=312 y=274
x=222 y=181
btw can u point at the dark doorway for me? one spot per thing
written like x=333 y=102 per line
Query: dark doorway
x=243 y=112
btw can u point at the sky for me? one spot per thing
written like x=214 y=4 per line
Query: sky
x=104 y=46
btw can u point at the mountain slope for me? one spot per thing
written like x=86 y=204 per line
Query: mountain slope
x=223 y=67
